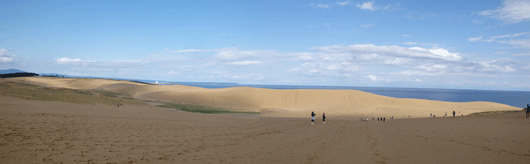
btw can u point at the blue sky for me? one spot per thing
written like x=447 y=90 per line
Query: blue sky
x=420 y=44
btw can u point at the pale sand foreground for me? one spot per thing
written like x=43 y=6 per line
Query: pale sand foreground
x=56 y=132
x=280 y=103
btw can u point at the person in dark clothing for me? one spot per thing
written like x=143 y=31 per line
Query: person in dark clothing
x=324 y=117
x=384 y=118
x=313 y=117
x=454 y=114
x=377 y=118
x=527 y=110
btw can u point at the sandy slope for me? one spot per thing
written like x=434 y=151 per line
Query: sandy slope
x=56 y=132
x=281 y=103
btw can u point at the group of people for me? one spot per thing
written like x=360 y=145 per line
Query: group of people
x=384 y=118
x=433 y=115
x=313 y=117
x=378 y=118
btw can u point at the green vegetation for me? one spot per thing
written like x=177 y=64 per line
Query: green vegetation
x=150 y=101
x=35 y=92
x=201 y=109
x=493 y=112
x=107 y=93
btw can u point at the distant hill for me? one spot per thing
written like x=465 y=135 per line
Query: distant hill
x=15 y=73
x=11 y=71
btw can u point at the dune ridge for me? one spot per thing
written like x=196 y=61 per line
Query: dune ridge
x=280 y=103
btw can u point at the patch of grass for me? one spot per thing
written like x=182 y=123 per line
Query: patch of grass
x=35 y=92
x=85 y=92
x=493 y=112
x=201 y=109
x=107 y=93
x=150 y=101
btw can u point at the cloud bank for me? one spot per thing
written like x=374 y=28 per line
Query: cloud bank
x=360 y=63
x=512 y=11
x=8 y=59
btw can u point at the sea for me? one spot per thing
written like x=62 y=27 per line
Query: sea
x=512 y=98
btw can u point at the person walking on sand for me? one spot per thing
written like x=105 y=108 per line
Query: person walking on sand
x=454 y=113
x=313 y=118
x=323 y=118
x=384 y=118
x=527 y=110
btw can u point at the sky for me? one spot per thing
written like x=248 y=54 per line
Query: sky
x=413 y=44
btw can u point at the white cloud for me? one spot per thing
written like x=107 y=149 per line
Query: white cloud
x=512 y=11
x=235 y=54
x=509 y=35
x=393 y=51
x=494 y=38
x=343 y=3
x=445 y=54
x=523 y=43
x=7 y=58
x=465 y=68
x=393 y=7
x=421 y=44
x=325 y=68
x=475 y=39
x=366 y=25
x=418 y=80
x=244 y=63
x=372 y=77
x=406 y=35
x=305 y=56
x=522 y=54
x=68 y=60
x=322 y=6
x=251 y=76
x=367 y=6
x=417 y=48
x=432 y=67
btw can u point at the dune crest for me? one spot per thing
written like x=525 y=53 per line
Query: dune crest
x=281 y=103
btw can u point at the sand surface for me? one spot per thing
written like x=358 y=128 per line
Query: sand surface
x=280 y=103
x=57 y=132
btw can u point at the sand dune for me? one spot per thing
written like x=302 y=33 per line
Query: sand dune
x=57 y=132
x=281 y=103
